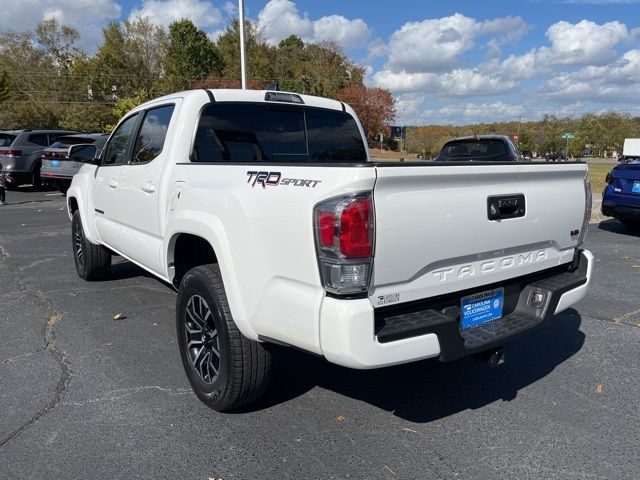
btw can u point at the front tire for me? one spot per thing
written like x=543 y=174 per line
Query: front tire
x=93 y=262
x=226 y=369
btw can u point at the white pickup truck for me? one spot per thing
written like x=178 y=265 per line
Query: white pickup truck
x=267 y=214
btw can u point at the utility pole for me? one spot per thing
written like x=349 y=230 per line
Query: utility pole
x=243 y=57
x=519 y=123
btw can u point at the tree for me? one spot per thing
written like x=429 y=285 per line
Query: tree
x=374 y=107
x=293 y=42
x=5 y=92
x=58 y=43
x=190 y=55
x=130 y=60
x=259 y=54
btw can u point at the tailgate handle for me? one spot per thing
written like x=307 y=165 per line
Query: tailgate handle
x=502 y=207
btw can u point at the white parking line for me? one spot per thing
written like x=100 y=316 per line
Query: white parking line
x=52 y=194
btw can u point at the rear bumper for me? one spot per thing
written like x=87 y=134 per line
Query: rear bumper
x=354 y=334
x=622 y=212
x=56 y=178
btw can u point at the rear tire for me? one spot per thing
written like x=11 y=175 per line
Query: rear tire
x=36 y=180
x=93 y=262
x=226 y=369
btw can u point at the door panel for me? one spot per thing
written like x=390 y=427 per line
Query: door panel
x=105 y=188
x=138 y=204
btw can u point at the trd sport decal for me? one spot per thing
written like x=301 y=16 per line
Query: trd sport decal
x=273 y=179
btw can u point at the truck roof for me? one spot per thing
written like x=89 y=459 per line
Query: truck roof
x=254 y=96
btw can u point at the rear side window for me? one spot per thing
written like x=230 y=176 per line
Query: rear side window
x=38 y=139
x=153 y=132
x=6 y=140
x=246 y=132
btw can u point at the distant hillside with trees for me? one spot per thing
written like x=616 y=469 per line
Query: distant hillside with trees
x=601 y=134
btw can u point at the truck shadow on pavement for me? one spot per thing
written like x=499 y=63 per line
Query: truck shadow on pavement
x=614 y=226
x=429 y=390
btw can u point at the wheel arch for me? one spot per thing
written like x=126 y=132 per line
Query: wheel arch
x=206 y=235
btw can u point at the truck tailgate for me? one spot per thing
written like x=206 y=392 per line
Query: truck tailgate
x=434 y=235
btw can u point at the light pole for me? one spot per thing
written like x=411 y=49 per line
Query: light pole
x=243 y=58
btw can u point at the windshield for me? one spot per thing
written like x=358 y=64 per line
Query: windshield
x=6 y=139
x=463 y=149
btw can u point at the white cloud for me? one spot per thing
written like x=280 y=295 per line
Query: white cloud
x=434 y=45
x=456 y=83
x=584 y=43
x=280 y=18
x=162 y=12
x=86 y=16
x=617 y=82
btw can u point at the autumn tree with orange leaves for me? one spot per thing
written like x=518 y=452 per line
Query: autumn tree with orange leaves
x=375 y=108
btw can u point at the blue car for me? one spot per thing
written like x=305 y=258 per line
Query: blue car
x=621 y=197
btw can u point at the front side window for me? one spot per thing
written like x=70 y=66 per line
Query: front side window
x=116 y=150
x=152 y=134
x=250 y=132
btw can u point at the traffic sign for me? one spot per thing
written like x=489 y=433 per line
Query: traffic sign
x=515 y=138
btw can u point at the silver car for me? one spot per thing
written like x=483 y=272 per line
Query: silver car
x=57 y=169
x=20 y=152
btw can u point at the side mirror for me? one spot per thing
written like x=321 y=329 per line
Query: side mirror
x=82 y=153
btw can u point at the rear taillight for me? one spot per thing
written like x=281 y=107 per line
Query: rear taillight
x=344 y=231
x=11 y=153
x=609 y=178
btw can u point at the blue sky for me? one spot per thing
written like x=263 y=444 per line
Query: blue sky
x=445 y=62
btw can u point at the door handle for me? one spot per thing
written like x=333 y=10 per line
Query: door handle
x=113 y=183
x=149 y=187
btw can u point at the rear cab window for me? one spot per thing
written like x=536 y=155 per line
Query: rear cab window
x=461 y=149
x=64 y=142
x=255 y=132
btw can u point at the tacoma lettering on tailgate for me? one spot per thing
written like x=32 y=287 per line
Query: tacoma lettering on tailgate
x=490 y=266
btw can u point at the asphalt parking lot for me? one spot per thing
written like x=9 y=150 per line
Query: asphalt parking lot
x=85 y=396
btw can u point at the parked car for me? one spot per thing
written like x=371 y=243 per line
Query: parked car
x=621 y=196
x=20 y=152
x=57 y=169
x=527 y=155
x=479 y=148
x=552 y=156
x=265 y=211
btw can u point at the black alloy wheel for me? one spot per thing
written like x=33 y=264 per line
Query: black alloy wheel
x=203 y=342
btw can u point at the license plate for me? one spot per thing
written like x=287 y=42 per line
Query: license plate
x=481 y=308
x=636 y=187
x=55 y=163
